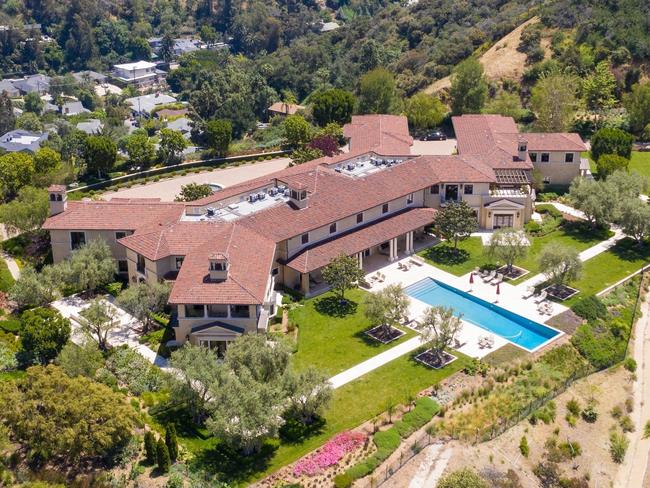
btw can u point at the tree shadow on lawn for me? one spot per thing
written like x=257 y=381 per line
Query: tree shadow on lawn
x=629 y=250
x=335 y=307
x=583 y=232
x=447 y=255
x=295 y=432
x=231 y=464
x=169 y=413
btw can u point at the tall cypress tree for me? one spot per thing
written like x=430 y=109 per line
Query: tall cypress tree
x=171 y=442
x=163 y=456
x=7 y=117
x=150 y=447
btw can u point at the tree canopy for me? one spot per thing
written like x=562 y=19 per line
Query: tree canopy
x=43 y=334
x=342 y=273
x=333 y=105
x=456 y=221
x=469 y=88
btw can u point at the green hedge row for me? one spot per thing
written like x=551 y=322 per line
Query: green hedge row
x=388 y=441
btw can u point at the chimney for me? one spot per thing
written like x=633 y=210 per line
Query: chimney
x=522 y=149
x=298 y=195
x=218 y=266
x=58 y=199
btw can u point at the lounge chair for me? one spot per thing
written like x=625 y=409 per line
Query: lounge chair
x=498 y=280
x=541 y=297
x=490 y=276
x=489 y=341
x=417 y=260
x=477 y=270
x=530 y=291
x=483 y=273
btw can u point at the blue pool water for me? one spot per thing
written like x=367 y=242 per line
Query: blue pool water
x=515 y=328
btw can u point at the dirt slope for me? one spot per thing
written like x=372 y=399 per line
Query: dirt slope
x=501 y=61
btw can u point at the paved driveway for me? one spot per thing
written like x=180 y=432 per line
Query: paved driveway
x=166 y=190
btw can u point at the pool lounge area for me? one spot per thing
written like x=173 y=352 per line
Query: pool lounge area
x=492 y=318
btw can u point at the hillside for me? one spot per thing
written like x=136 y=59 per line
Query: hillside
x=502 y=60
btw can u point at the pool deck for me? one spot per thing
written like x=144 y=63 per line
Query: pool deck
x=509 y=298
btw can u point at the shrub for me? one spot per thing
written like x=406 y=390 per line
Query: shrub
x=532 y=227
x=601 y=348
x=523 y=447
x=570 y=449
x=573 y=406
x=590 y=308
x=387 y=439
x=630 y=364
x=114 y=288
x=626 y=423
x=572 y=420
x=618 y=445
x=617 y=412
x=162 y=456
x=463 y=478
x=548 y=209
x=150 y=447
x=343 y=480
x=589 y=414
x=10 y=325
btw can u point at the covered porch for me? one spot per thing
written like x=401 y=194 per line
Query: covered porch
x=374 y=246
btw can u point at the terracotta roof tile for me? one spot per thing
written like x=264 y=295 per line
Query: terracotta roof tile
x=554 y=142
x=388 y=134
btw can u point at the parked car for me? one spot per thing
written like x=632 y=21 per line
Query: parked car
x=215 y=187
x=434 y=135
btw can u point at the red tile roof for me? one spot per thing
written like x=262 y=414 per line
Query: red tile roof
x=388 y=134
x=124 y=214
x=359 y=239
x=554 y=142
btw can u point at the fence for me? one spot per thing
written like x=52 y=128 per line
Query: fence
x=177 y=167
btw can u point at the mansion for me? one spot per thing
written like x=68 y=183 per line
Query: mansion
x=226 y=254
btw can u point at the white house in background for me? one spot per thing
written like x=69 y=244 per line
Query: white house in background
x=138 y=73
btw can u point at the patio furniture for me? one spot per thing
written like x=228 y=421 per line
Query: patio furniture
x=498 y=280
x=477 y=270
x=417 y=260
x=541 y=297
x=530 y=291
x=489 y=341
x=490 y=276
x=484 y=273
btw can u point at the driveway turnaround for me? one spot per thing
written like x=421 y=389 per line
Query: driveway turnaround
x=167 y=189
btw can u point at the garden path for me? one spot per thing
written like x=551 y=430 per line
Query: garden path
x=432 y=467
x=584 y=256
x=14 y=269
x=124 y=333
x=631 y=472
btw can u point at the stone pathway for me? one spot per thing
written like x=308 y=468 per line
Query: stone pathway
x=375 y=362
x=125 y=333
x=433 y=466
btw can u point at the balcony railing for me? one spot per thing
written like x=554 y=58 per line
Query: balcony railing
x=508 y=193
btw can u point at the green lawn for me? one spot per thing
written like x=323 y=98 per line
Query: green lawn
x=607 y=268
x=469 y=255
x=332 y=340
x=472 y=252
x=6 y=280
x=639 y=162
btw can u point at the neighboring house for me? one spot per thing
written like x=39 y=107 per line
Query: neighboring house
x=226 y=254
x=83 y=76
x=139 y=73
x=73 y=108
x=145 y=104
x=182 y=125
x=33 y=84
x=22 y=140
x=555 y=155
x=329 y=26
x=283 y=109
x=8 y=86
x=90 y=126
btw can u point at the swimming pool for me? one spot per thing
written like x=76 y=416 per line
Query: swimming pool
x=519 y=330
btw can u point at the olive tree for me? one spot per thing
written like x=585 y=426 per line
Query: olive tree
x=98 y=320
x=439 y=327
x=456 y=222
x=144 y=299
x=598 y=200
x=308 y=393
x=342 y=274
x=387 y=308
x=559 y=263
x=635 y=219
x=508 y=245
x=91 y=266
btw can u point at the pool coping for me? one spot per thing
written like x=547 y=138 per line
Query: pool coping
x=559 y=334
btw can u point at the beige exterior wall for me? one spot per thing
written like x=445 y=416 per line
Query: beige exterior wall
x=295 y=243
x=61 y=243
x=557 y=171
x=185 y=324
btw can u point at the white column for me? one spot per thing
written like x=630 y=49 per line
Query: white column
x=409 y=242
x=393 y=249
x=360 y=259
x=391 y=252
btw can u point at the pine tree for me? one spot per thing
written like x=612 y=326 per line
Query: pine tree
x=150 y=447
x=171 y=442
x=163 y=456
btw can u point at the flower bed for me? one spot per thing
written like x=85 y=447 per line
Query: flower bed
x=330 y=454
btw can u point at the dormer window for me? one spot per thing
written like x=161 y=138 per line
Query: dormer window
x=218 y=266
x=522 y=147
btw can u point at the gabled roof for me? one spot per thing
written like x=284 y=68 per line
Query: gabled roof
x=562 y=141
x=388 y=134
x=116 y=214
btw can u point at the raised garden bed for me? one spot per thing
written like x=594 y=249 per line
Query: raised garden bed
x=514 y=273
x=561 y=292
x=430 y=359
x=384 y=335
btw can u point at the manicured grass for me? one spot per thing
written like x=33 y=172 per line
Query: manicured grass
x=468 y=256
x=6 y=280
x=367 y=397
x=472 y=252
x=607 y=268
x=332 y=339
x=639 y=162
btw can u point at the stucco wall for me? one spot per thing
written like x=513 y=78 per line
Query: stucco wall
x=559 y=172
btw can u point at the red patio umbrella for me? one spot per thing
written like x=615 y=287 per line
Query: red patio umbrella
x=471 y=281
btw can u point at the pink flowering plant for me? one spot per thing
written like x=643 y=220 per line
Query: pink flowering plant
x=330 y=454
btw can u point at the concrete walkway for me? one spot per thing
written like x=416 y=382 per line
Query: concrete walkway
x=431 y=469
x=568 y=210
x=632 y=471
x=124 y=333
x=584 y=256
x=375 y=362
x=12 y=265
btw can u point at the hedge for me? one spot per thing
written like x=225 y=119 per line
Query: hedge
x=388 y=441
x=590 y=308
